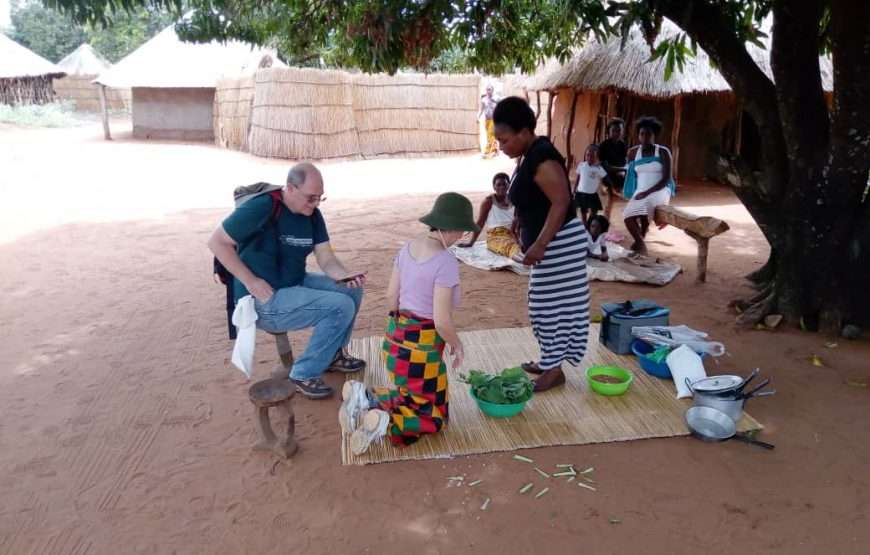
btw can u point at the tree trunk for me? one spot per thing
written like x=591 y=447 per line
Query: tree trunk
x=808 y=201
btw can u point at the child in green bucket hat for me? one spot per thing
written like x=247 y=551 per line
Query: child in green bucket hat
x=421 y=297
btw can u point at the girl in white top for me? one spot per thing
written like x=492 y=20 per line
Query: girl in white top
x=497 y=217
x=652 y=167
x=589 y=178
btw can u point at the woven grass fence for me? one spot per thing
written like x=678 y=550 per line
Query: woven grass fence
x=26 y=90
x=86 y=95
x=413 y=114
x=303 y=114
x=232 y=112
x=315 y=114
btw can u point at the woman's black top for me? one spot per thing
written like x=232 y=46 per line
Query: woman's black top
x=532 y=205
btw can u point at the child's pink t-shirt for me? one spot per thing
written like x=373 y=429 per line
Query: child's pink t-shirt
x=418 y=280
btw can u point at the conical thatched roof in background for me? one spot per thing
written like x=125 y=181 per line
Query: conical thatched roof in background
x=84 y=60
x=600 y=66
x=166 y=61
x=17 y=61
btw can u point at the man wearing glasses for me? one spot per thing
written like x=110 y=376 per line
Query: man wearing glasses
x=266 y=253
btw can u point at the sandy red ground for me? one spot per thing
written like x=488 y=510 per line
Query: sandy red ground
x=125 y=430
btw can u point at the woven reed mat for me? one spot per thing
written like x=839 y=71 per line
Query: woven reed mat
x=569 y=415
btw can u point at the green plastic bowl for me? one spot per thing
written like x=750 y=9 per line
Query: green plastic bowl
x=610 y=389
x=496 y=410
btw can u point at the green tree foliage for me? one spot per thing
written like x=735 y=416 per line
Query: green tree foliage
x=127 y=31
x=53 y=34
x=50 y=34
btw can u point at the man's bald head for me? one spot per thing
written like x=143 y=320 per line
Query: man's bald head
x=304 y=190
x=302 y=172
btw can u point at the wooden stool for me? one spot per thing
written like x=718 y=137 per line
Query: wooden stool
x=264 y=395
x=285 y=354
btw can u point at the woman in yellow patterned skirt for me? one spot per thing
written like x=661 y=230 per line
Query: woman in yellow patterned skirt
x=497 y=216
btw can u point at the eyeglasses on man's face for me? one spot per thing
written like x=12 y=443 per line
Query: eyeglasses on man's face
x=310 y=199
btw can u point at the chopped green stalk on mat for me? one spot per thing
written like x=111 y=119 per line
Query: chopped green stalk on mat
x=566 y=473
x=564 y=466
x=508 y=387
x=460 y=478
x=570 y=478
x=485 y=504
x=523 y=459
x=542 y=493
x=527 y=487
x=474 y=483
x=588 y=470
x=612 y=520
x=541 y=472
x=582 y=485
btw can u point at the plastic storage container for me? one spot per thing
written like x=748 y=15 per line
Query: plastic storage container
x=617 y=319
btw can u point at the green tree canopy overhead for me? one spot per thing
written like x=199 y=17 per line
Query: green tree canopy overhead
x=50 y=34
x=53 y=34
x=810 y=199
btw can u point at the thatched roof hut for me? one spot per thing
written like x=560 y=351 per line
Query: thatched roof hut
x=84 y=60
x=173 y=83
x=82 y=66
x=25 y=77
x=700 y=114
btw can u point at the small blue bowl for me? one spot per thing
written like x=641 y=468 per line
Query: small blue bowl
x=658 y=369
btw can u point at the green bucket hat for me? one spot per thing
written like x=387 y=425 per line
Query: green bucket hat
x=452 y=212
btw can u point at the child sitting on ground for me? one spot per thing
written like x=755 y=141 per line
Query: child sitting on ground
x=496 y=216
x=598 y=226
x=422 y=294
x=589 y=177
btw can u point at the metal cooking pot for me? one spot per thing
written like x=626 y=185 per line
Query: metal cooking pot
x=730 y=405
x=728 y=397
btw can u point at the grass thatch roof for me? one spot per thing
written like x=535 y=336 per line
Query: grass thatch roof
x=166 y=61
x=17 y=61
x=84 y=60
x=602 y=66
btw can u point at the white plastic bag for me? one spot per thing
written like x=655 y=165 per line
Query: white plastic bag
x=685 y=363
x=245 y=319
x=674 y=336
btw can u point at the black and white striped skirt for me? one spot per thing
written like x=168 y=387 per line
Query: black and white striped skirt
x=559 y=298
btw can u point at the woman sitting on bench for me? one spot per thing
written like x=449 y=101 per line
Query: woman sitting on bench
x=648 y=181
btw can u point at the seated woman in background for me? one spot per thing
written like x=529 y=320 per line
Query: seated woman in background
x=648 y=181
x=496 y=216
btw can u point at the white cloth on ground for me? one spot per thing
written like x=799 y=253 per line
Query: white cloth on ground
x=245 y=319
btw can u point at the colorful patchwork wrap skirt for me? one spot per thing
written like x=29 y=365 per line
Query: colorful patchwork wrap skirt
x=413 y=352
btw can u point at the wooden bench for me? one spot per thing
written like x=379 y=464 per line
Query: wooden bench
x=699 y=228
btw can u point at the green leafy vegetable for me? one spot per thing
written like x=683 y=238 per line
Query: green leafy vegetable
x=510 y=386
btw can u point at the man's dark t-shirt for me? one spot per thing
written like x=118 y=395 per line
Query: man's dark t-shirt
x=274 y=251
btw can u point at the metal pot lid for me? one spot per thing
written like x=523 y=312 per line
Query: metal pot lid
x=717 y=384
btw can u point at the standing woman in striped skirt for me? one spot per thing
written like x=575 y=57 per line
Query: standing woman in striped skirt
x=553 y=240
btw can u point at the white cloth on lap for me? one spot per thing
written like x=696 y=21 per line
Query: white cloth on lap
x=245 y=320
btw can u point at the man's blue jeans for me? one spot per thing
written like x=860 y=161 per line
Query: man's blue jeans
x=329 y=307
